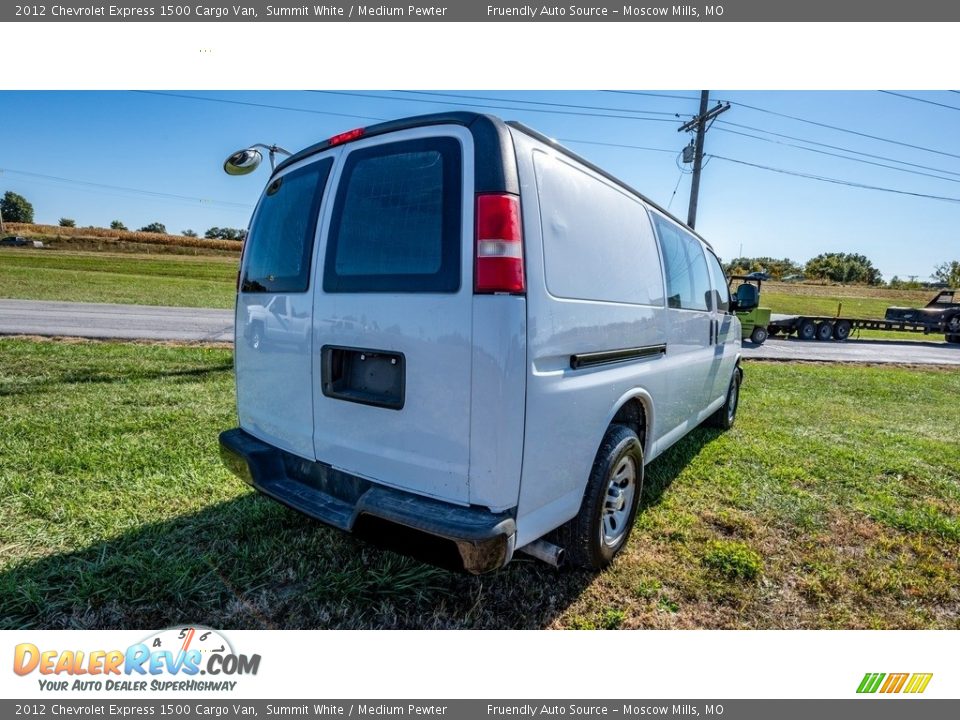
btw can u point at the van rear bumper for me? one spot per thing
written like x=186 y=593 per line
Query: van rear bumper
x=483 y=540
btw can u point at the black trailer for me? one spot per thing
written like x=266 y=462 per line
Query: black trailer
x=940 y=315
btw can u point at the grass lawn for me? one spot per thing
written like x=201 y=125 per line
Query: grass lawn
x=176 y=280
x=833 y=503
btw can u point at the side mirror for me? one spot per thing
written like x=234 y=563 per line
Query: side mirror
x=243 y=162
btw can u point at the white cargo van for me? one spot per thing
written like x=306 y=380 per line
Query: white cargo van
x=482 y=340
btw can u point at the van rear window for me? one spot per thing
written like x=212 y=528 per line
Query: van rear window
x=397 y=219
x=280 y=245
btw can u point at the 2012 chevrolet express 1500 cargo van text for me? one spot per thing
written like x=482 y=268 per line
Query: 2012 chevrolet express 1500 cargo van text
x=452 y=327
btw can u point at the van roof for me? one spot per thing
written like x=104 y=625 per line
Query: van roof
x=492 y=176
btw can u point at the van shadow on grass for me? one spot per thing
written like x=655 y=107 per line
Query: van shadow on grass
x=83 y=376
x=251 y=563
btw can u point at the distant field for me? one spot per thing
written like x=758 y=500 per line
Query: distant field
x=175 y=280
x=856 y=301
x=155 y=278
x=831 y=504
x=95 y=238
x=853 y=301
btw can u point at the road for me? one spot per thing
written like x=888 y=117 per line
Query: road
x=145 y=322
x=857 y=351
x=128 y=322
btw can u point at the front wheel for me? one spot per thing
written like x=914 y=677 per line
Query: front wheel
x=759 y=335
x=600 y=530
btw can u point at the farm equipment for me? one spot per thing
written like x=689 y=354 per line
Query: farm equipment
x=940 y=315
x=745 y=295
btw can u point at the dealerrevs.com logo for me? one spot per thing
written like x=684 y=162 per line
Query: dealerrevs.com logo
x=172 y=659
x=910 y=683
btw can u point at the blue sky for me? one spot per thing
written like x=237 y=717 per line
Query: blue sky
x=143 y=157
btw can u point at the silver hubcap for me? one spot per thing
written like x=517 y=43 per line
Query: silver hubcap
x=619 y=500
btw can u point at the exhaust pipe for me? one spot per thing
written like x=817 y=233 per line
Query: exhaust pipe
x=545 y=551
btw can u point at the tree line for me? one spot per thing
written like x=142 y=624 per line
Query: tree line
x=16 y=208
x=847 y=268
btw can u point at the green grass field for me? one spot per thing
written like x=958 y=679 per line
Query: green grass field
x=154 y=279
x=833 y=503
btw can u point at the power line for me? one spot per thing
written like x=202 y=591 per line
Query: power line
x=617 y=145
x=843 y=157
x=919 y=100
x=538 y=102
x=137 y=191
x=652 y=94
x=843 y=129
x=257 y=105
x=491 y=106
x=836 y=181
x=833 y=147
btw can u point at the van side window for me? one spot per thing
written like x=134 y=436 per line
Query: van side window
x=722 y=298
x=688 y=284
x=397 y=219
x=280 y=245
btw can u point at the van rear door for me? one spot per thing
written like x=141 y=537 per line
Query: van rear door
x=274 y=312
x=392 y=314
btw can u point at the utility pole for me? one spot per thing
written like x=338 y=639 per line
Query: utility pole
x=700 y=124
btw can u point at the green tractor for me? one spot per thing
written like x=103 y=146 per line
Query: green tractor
x=745 y=303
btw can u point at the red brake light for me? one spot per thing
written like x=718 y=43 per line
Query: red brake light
x=499 y=245
x=346 y=136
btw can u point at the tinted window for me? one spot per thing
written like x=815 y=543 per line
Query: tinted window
x=688 y=285
x=719 y=283
x=280 y=246
x=396 y=222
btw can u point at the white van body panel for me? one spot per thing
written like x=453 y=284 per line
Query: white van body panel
x=425 y=446
x=274 y=379
x=497 y=399
x=575 y=221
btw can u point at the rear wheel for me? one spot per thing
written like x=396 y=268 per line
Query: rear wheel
x=841 y=331
x=600 y=530
x=759 y=335
x=954 y=339
x=807 y=330
x=824 y=330
x=952 y=325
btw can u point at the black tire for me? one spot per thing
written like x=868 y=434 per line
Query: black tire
x=824 y=331
x=807 y=330
x=759 y=335
x=841 y=331
x=952 y=324
x=583 y=537
x=953 y=339
x=727 y=414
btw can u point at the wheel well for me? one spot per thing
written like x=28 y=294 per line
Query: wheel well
x=634 y=416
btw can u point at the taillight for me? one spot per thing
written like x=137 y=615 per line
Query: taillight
x=499 y=245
